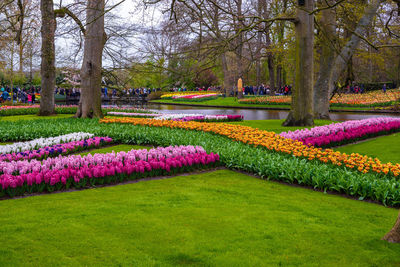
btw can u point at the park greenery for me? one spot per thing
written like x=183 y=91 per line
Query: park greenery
x=96 y=185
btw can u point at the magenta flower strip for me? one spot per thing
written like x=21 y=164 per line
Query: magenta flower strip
x=58 y=149
x=20 y=177
x=346 y=132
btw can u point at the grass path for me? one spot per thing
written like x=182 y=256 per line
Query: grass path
x=233 y=102
x=33 y=117
x=221 y=218
x=386 y=148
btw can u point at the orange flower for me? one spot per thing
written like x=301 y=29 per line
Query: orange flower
x=271 y=141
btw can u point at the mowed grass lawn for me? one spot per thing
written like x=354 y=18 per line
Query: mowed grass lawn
x=220 y=218
x=385 y=148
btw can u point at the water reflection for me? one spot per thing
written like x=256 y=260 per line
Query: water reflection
x=254 y=114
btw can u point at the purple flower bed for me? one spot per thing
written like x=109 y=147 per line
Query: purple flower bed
x=55 y=150
x=20 y=177
x=344 y=133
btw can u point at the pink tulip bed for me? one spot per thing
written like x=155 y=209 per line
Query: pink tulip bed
x=195 y=97
x=211 y=118
x=75 y=171
x=337 y=134
x=58 y=149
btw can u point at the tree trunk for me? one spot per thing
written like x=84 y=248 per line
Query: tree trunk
x=260 y=9
x=301 y=113
x=394 y=235
x=21 y=58
x=30 y=66
x=239 y=46
x=47 y=69
x=348 y=50
x=329 y=75
x=95 y=38
x=228 y=85
x=279 y=74
x=12 y=69
x=324 y=81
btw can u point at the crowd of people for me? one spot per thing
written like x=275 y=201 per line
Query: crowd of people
x=266 y=90
x=19 y=94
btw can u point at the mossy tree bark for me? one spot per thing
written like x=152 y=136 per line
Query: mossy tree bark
x=301 y=113
x=47 y=67
x=95 y=38
x=394 y=235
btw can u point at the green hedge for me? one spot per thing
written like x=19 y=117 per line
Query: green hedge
x=235 y=155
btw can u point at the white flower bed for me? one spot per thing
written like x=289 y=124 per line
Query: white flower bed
x=43 y=142
x=176 y=116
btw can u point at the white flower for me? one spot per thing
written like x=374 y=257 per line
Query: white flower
x=43 y=142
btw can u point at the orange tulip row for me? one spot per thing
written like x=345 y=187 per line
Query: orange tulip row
x=274 y=142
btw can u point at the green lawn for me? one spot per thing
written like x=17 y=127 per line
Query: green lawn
x=116 y=148
x=33 y=117
x=275 y=125
x=386 y=148
x=233 y=102
x=220 y=218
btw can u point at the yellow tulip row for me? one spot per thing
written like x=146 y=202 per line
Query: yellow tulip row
x=167 y=95
x=274 y=142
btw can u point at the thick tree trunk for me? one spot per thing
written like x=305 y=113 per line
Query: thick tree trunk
x=95 y=37
x=329 y=75
x=239 y=46
x=47 y=70
x=327 y=56
x=394 y=235
x=228 y=84
x=301 y=113
x=260 y=8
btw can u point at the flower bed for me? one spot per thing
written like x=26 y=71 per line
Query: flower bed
x=58 y=149
x=370 y=99
x=43 y=142
x=194 y=96
x=273 y=142
x=267 y=100
x=189 y=95
x=342 y=133
x=248 y=157
x=19 y=177
x=199 y=117
x=181 y=117
x=130 y=114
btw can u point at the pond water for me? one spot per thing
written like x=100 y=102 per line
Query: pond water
x=254 y=114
